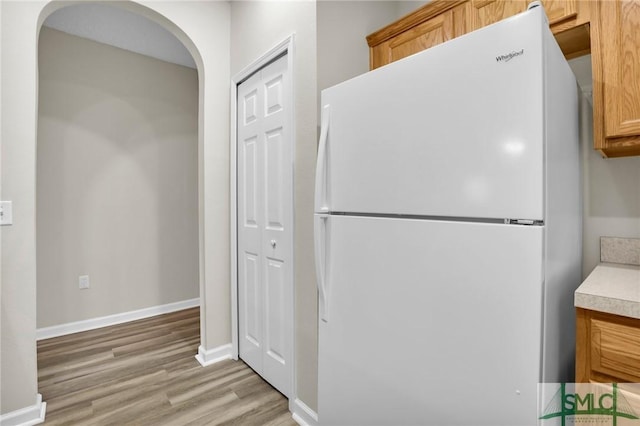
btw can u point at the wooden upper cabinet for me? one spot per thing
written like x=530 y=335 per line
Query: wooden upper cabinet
x=609 y=29
x=421 y=37
x=442 y=20
x=430 y=25
x=616 y=77
x=569 y=21
x=487 y=12
x=560 y=10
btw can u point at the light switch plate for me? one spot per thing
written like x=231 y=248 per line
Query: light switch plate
x=83 y=282
x=6 y=213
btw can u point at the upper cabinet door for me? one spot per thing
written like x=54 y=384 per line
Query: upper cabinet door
x=560 y=10
x=429 y=26
x=621 y=71
x=428 y=34
x=616 y=78
x=487 y=12
x=441 y=20
x=569 y=22
x=423 y=36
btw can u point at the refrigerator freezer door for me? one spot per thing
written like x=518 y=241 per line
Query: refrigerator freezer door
x=432 y=323
x=454 y=131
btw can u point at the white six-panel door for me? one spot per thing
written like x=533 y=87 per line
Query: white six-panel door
x=265 y=197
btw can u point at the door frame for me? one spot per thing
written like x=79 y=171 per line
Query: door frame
x=285 y=47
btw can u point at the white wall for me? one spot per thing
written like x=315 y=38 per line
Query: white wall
x=1 y=121
x=407 y=6
x=342 y=29
x=204 y=29
x=18 y=314
x=256 y=27
x=117 y=180
x=611 y=194
x=207 y=28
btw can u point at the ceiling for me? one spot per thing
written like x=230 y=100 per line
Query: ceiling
x=118 y=27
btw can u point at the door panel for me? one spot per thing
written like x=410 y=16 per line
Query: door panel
x=430 y=323
x=251 y=298
x=274 y=92
x=265 y=196
x=249 y=166
x=274 y=179
x=276 y=323
x=250 y=106
x=276 y=304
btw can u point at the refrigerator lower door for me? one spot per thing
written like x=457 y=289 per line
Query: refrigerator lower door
x=431 y=323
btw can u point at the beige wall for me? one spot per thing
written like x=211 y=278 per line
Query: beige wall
x=117 y=188
x=204 y=29
x=255 y=28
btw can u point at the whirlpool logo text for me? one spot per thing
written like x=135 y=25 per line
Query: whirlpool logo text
x=509 y=56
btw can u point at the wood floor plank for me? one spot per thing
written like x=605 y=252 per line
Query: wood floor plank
x=92 y=392
x=144 y=373
x=241 y=412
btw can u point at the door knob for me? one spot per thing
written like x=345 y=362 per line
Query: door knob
x=273 y=243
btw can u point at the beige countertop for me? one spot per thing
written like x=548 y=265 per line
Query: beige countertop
x=611 y=288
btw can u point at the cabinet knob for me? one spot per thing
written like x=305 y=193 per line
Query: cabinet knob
x=273 y=243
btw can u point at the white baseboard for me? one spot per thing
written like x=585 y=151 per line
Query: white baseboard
x=303 y=415
x=207 y=357
x=93 y=323
x=27 y=416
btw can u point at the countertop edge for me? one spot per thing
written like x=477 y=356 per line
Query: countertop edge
x=611 y=288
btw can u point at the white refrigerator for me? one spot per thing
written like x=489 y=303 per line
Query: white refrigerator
x=448 y=232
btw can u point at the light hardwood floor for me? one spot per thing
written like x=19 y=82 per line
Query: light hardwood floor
x=144 y=373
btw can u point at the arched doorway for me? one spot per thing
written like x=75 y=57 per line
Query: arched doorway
x=117 y=171
x=204 y=29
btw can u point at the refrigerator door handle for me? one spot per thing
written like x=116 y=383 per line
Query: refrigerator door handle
x=320 y=239
x=321 y=166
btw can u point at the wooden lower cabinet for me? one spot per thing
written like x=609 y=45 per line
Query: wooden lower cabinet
x=607 y=347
